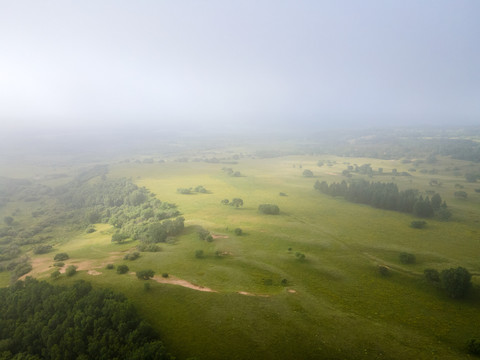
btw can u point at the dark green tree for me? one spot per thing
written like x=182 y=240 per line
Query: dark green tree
x=307 y=173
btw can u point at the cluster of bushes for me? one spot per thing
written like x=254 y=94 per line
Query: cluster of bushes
x=269 y=209
x=187 y=191
x=84 y=323
x=204 y=234
x=236 y=202
x=231 y=172
x=386 y=196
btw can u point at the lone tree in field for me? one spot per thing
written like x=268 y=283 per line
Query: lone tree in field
x=456 y=282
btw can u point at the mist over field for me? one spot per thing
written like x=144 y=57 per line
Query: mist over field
x=239 y=180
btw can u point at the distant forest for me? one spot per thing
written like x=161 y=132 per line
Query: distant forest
x=387 y=196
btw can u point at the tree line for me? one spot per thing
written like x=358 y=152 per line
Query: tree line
x=386 y=196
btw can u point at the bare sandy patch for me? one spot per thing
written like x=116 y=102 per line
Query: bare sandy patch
x=250 y=294
x=93 y=272
x=291 y=291
x=180 y=282
x=331 y=173
x=216 y=236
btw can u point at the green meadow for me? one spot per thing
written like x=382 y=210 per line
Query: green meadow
x=265 y=302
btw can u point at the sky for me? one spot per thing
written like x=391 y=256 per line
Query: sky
x=204 y=64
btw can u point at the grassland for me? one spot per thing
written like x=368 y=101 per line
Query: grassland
x=334 y=305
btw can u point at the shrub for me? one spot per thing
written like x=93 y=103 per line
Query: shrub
x=145 y=247
x=383 y=270
x=55 y=275
x=268 y=282
x=209 y=238
x=282 y=194
x=199 y=254
x=147 y=286
x=203 y=233
x=42 y=249
x=110 y=266
x=460 y=194
x=418 y=224
x=432 y=275
x=284 y=282
x=300 y=256
x=444 y=214
x=61 y=257
x=165 y=275
x=238 y=231
x=90 y=229
x=407 y=258
x=132 y=256
x=71 y=270
x=473 y=346
x=145 y=274
x=119 y=237
x=21 y=269
x=269 y=209
x=122 y=269
x=59 y=264
x=307 y=173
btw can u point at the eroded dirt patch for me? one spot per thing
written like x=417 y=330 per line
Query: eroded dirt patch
x=176 y=281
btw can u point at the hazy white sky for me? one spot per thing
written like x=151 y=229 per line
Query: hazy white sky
x=215 y=62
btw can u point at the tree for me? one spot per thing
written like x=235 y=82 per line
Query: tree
x=8 y=220
x=145 y=274
x=307 y=173
x=55 y=275
x=225 y=202
x=436 y=201
x=456 y=281
x=444 y=214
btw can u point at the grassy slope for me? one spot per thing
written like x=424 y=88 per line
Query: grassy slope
x=341 y=309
